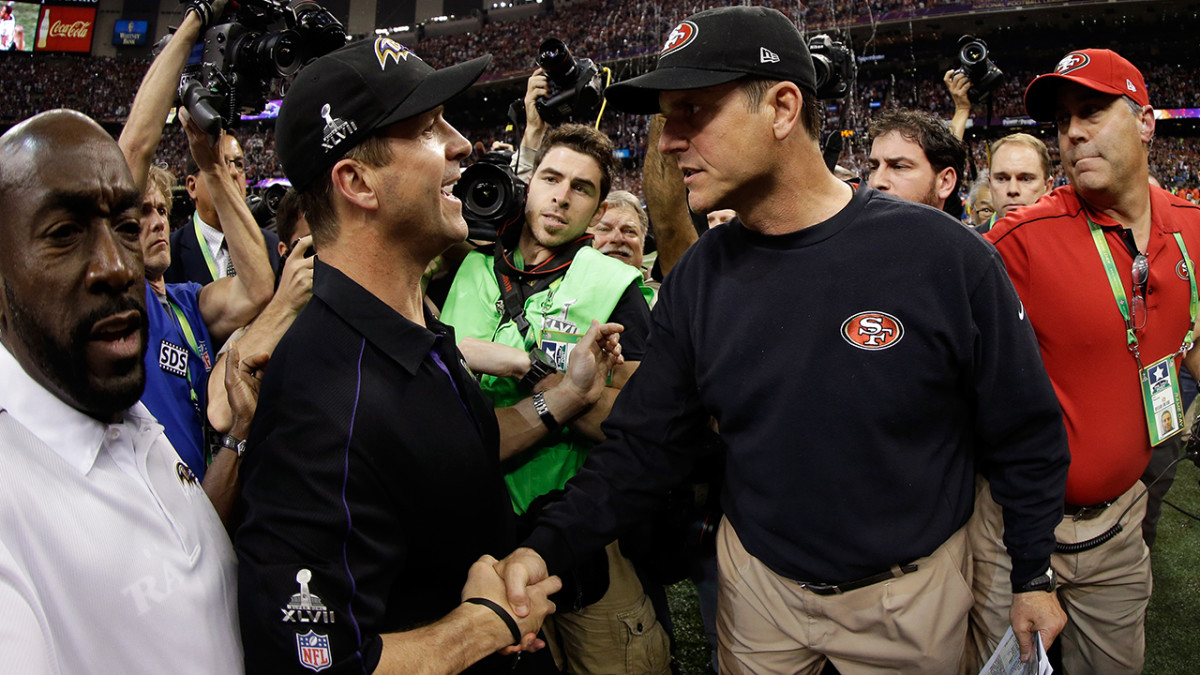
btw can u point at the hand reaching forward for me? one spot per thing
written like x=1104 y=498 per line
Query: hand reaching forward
x=484 y=581
x=597 y=353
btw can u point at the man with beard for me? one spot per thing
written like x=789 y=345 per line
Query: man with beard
x=111 y=559
x=554 y=284
x=915 y=157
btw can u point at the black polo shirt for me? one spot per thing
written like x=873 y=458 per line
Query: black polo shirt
x=370 y=485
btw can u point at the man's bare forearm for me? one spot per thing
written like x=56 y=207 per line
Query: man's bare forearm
x=143 y=129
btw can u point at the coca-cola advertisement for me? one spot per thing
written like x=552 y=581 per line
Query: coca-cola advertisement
x=65 y=29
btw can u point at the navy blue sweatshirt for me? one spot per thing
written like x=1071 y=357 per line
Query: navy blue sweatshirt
x=860 y=370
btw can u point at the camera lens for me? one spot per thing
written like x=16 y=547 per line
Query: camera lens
x=485 y=198
x=555 y=59
x=972 y=53
x=823 y=69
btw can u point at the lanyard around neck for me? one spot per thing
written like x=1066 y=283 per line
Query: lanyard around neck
x=208 y=258
x=190 y=337
x=1118 y=290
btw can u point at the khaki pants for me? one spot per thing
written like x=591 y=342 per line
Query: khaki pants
x=1104 y=591
x=915 y=623
x=617 y=635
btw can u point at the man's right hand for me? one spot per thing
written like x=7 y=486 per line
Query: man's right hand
x=484 y=580
x=1036 y=611
x=535 y=127
x=592 y=359
x=959 y=84
x=521 y=570
x=296 y=280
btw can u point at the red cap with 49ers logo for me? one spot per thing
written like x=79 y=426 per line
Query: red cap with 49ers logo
x=718 y=46
x=1100 y=69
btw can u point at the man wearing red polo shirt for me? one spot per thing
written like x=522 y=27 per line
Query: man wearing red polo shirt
x=1103 y=271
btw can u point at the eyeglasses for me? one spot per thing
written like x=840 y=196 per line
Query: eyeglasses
x=1140 y=274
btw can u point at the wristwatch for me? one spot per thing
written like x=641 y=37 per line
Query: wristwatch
x=1046 y=581
x=540 y=367
x=233 y=444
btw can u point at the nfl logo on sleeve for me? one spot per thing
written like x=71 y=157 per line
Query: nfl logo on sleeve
x=314 y=651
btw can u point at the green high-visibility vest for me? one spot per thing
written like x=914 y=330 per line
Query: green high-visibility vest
x=558 y=318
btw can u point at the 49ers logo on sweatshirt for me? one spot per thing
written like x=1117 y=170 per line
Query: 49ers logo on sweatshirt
x=872 y=330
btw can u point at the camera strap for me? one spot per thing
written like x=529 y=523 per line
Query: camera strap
x=517 y=285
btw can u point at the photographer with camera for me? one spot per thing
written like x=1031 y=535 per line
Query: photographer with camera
x=189 y=322
x=537 y=290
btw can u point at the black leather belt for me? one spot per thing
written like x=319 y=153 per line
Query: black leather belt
x=1086 y=512
x=834 y=589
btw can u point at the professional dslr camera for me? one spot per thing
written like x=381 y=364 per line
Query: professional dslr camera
x=974 y=63
x=834 y=65
x=241 y=57
x=576 y=87
x=492 y=196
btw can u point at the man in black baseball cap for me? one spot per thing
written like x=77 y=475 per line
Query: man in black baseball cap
x=819 y=303
x=371 y=480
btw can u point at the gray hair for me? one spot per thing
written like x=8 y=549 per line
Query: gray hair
x=626 y=199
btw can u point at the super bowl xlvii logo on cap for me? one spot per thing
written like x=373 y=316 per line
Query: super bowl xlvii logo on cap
x=336 y=129
x=314 y=652
x=682 y=36
x=872 y=331
x=1071 y=62
x=387 y=48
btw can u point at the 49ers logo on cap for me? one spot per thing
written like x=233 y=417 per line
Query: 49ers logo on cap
x=1071 y=62
x=679 y=38
x=872 y=330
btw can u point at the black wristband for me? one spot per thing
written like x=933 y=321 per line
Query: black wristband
x=543 y=411
x=500 y=612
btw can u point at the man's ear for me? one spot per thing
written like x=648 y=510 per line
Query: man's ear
x=355 y=182
x=786 y=100
x=190 y=184
x=1146 y=124
x=946 y=179
x=282 y=248
x=598 y=215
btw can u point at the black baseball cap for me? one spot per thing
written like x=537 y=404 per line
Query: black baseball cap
x=717 y=46
x=343 y=97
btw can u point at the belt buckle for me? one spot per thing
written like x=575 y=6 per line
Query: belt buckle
x=820 y=589
x=1089 y=512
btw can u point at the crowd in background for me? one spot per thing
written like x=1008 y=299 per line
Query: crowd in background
x=608 y=31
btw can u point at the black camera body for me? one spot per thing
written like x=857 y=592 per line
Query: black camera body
x=834 y=65
x=576 y=88
x=492 y=196
x=978 y=67
x=241 y=57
